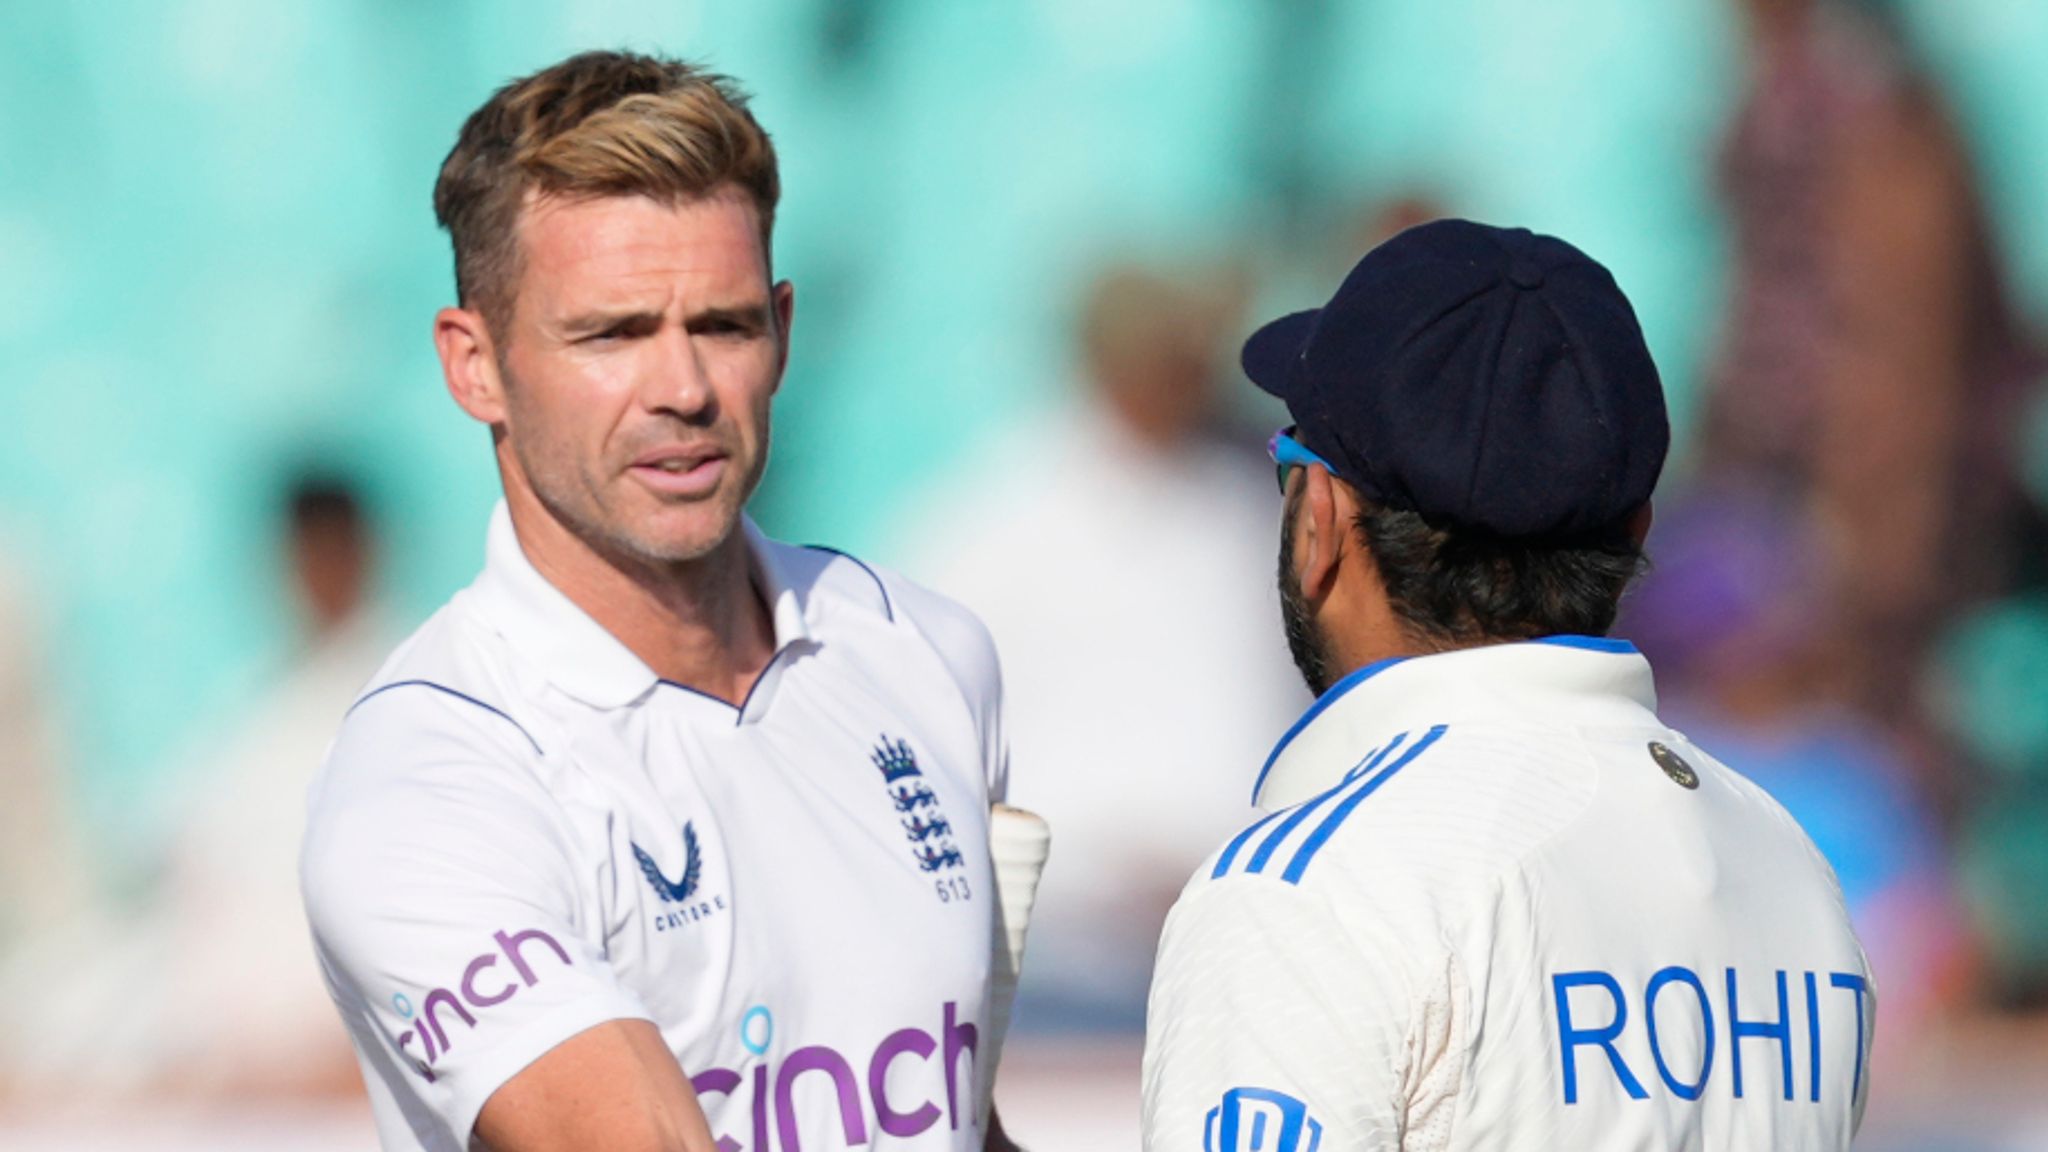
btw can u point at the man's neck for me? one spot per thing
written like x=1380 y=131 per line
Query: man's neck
x=699 y=623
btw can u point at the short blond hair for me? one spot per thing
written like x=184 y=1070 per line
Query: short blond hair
x=596 y=124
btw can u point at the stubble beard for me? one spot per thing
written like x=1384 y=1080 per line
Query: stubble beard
x=585 y=500
x=595 y=505
x=1305 y=641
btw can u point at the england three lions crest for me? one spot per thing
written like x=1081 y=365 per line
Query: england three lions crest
x=917 y=807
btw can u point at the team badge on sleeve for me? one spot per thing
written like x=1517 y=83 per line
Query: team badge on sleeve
x=1260 y=1120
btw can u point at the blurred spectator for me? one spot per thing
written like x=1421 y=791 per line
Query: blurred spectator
x=1383 y=220
x=211 y=990
x=1872 y=362
x=255 y=1016
x=40 y=872
x=1728 y=617
x=1121 y=551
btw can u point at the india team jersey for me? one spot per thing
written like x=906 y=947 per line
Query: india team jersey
x=521 y=832
x=1495 y=904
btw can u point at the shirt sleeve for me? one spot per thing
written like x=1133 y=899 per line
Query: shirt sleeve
x=1272 y=1029
x=969 y=652
x=440 y=882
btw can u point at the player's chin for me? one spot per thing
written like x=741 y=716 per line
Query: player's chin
x=677 y=532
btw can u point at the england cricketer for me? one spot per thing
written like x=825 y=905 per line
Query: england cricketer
x=661 y=835
x=1494 y=902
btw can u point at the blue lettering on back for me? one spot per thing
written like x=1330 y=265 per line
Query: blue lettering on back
x=1573 y=1036
x=1862 y=986
x=1570 y=1038
x=1688 y=977
x=1813 y=1037
x=1779 y=1030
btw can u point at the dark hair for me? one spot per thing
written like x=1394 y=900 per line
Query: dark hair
x=1452 y=586
x=320 y=498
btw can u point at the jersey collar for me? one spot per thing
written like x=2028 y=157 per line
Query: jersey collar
x=574 y=652
x=1568 y=679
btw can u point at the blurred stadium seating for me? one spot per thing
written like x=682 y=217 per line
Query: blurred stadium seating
x=218 y=262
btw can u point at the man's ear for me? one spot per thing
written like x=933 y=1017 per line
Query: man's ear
x=784 y=303
x=1324 y=528
x=1639 y=524
x=469 y=364
x=785 y=312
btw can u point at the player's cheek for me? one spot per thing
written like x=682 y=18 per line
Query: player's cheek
x=744 y=371
x=746 y=383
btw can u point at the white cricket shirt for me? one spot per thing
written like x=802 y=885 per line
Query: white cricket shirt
x=1496 y=904
x=521 y=832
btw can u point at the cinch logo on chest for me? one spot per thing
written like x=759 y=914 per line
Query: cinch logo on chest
x=917 y=806
x=680 y=892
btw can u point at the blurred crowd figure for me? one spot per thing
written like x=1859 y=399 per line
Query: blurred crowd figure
x=230 y=885
x=1120 y=548
x=1873 y=364
x=203 y=986
x=40 y=877
x=1857 y=502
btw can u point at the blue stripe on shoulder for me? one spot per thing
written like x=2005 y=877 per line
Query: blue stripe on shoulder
x=1344 y=809
x=1237 y=842
x=888 y=606
x=443 y=688
x=1302 y=811
x=1331 y=695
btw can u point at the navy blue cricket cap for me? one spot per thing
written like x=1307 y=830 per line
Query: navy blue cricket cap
x=1486 y=378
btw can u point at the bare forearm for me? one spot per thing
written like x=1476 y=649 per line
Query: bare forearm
x=616 y=1087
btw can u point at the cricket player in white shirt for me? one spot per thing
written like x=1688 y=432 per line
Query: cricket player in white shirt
x=661 y=835
x=1494 y=903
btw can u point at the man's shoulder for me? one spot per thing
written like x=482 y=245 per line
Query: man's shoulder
x=436 y=753
x=445 y=698
x=838 y=586
x=1747 y=818
x=1439 y=801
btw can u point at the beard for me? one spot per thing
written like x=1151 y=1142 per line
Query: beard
x=1305 y=641
x=581 y=488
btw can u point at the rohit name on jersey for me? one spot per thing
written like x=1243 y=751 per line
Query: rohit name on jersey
x=1613 y=1035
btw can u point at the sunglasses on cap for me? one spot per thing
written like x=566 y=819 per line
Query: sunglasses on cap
x=1288 y=454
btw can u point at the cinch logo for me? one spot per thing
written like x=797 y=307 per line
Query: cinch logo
x=1260 y=1120
x=430 y=1030
x=772 y=1085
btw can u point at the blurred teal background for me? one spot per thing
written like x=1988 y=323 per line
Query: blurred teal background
x=219 y=268
x=218 y=260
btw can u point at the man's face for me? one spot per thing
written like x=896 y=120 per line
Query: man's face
x=644 y=346
x=1305 y=641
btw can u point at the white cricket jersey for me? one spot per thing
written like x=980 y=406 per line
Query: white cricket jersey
x=521 y=832
x=1496 y=904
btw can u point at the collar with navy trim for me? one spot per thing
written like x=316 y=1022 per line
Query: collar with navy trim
x=1569 y=679
x=574 y=652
